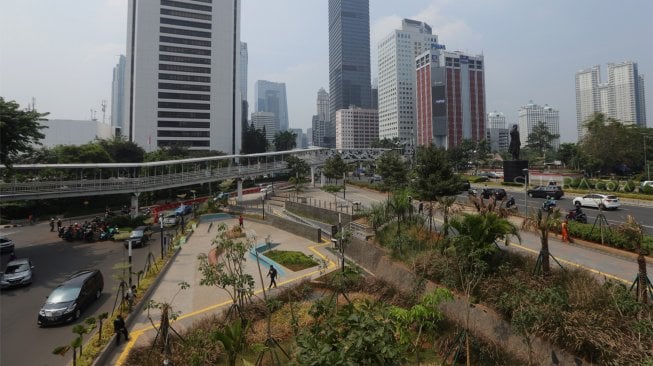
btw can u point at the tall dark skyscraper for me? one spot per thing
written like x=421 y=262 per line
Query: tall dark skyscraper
x=349 y=56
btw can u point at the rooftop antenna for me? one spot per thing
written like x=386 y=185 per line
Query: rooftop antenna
x=93 y=115
x=33 y=104
x=104 y=108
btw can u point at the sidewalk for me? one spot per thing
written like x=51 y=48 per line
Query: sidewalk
x=198 y=301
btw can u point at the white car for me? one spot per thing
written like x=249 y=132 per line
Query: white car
x=597 y=200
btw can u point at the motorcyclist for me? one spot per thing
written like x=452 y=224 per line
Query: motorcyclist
x=550 y=202
x=511 y=202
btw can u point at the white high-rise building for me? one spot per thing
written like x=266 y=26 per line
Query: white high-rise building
x=588 y=96
x=118 y=97
x=321 y=123
x=356 y=128
x=496 y=120
x=243 y=70
x=626 y=98
x=323 y=105
x=267 y=121
x=183 y=79
x=396 y=81
x=531 y=114
x=271 y=97
x=604 y=97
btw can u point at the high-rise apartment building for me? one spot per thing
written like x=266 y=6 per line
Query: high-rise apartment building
x=396 y=90
x=243 y=70
x=588 y=97
x=118 y=97
x=626 y=98
x=531 y=114
x=356 y=128
x=496 y=120
x=496 y=132
x=323 y=105
x=321 y=123
x=349 y=56
x=450 y=94
x=271 y=97
x=182 y=84
x=621 y=97
x=268 y=122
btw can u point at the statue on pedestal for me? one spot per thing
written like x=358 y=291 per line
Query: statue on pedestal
x=515 y=144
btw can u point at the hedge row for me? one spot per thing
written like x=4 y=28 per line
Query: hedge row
x=611 y=236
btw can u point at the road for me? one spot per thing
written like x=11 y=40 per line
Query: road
x=23 y=342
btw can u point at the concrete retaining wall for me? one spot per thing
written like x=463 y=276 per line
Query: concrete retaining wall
x=484 y=322
x=324 y=214
x=299 y=229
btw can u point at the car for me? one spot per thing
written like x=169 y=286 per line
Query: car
x=492 y=175
x=139 y=237
x=376 y=178
x=546 y=191
x=267 y=189
x=646 y=185
x=6 y=245
x=170 y=218
x=466 y=185
x=602 y=201
x=17 y=273
x=221 y=196
x=183 y=210
x=68 y=300
x=497 y=193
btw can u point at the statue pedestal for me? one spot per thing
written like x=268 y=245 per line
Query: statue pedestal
x=513 y=171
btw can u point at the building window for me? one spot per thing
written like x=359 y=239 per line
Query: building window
x=190 y=115
x=185 y=59
x=185 y=32
x=179 y=4
x=166 y=143
x=175 y=105
x=183 y=124
x=186 y=14
x=190 y=51
x=182 y=68
x=192 y=42
x=163 y=95
x=185 y=23
x=167 y=133
x=199 y=79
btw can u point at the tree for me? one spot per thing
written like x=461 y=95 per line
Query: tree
x=286 y=140
x=634 y=232
x=434 y=177
x=543 y=223
x=298 y=167
x=399 y=204
x=569 y=154
x=19 y=130
x=122 y=151
x=541 y=138
x=82 y=154
x=232 y=338
x=254 y=140
x=392 y=167
x=335 y=167
x=386 y=143
x=377 y=215
x=101 y=318
x=80 y=330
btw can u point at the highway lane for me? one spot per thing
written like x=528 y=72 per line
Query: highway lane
x=23 y=342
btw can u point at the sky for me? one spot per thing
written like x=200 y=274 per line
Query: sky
x=62 y=53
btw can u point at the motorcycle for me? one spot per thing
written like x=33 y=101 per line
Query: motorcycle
x=577 y=216
x=548 y=205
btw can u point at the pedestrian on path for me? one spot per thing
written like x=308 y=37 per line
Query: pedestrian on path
x=565 y=232
x=30 y=219
x=240 y=221
x=273 y=276
x=119 y=328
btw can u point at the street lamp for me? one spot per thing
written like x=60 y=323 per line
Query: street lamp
x=161 y=226
x=525 y=172
x=648 y=170
x=263 y=202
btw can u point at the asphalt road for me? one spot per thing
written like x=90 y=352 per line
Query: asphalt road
x=22 y=341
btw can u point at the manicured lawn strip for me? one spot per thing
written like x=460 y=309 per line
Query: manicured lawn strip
x=292 y=260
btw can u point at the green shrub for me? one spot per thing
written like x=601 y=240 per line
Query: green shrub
x=646 y=190
x=512 y=184
x=295 y=261
x=629 y=186
x=478 y=179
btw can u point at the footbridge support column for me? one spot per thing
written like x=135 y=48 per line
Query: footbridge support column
x=322 y=179
x=239 y=190
x=134 y=204
x=313 y=176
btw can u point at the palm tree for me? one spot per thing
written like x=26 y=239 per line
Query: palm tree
x=634 y=231
x=101 y=318
x=477 y=234
x=80 y=330
x=446 y=205
x=543 y=223
x=399 y=204
x=377 y=215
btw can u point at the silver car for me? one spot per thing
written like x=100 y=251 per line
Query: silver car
x=18 y=273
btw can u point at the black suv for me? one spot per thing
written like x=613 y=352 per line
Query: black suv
x=497 y=193
x=68 y=300
x=543 y=191
x=138 y=237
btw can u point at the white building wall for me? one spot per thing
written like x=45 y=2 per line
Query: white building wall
x=396 y=80
x=73 y=132
x=496 y=120
x=356 y=128
x=588 y=99
x=531 y=114
x=244 y=59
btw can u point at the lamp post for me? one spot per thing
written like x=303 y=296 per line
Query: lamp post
x=525 y=171
x=161 y=226
x=648 y=170
x=263 y=203
x=129 y=253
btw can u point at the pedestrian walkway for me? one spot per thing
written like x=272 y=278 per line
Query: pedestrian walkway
x=198 y=301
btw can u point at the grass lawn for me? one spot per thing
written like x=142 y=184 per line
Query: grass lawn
x=292 y=260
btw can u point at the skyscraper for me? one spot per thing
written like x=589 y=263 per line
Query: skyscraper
x=621 y=97
x=321 y=122
x=323 y=105
x=183 y=75
x=118 y=97
x=626 y=96
x=268 y=122
x=243 y=70
x=531 y=114
x=496 y=120
x=397 y=52
x=450 y=98
x=497 y=133
x=588 y=97
x=271 y=97
x=349 y=56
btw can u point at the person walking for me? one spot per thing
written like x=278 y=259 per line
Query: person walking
x=51 y=223
x=565 y=232
x=119 y=328
x=58 y=223
x=273 y=277
x=240 y=221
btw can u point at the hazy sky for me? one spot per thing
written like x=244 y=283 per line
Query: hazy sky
x=62 y=52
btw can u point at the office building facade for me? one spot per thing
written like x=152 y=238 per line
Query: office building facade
x=244 y=59
x=118 y=97
x=450 y=92
x=531 y=114
x=349 y=56
x=268 y=122
x=182 y=84
x=271 y=97
x=356 y=128
x=396 y=89
x=496 y=120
